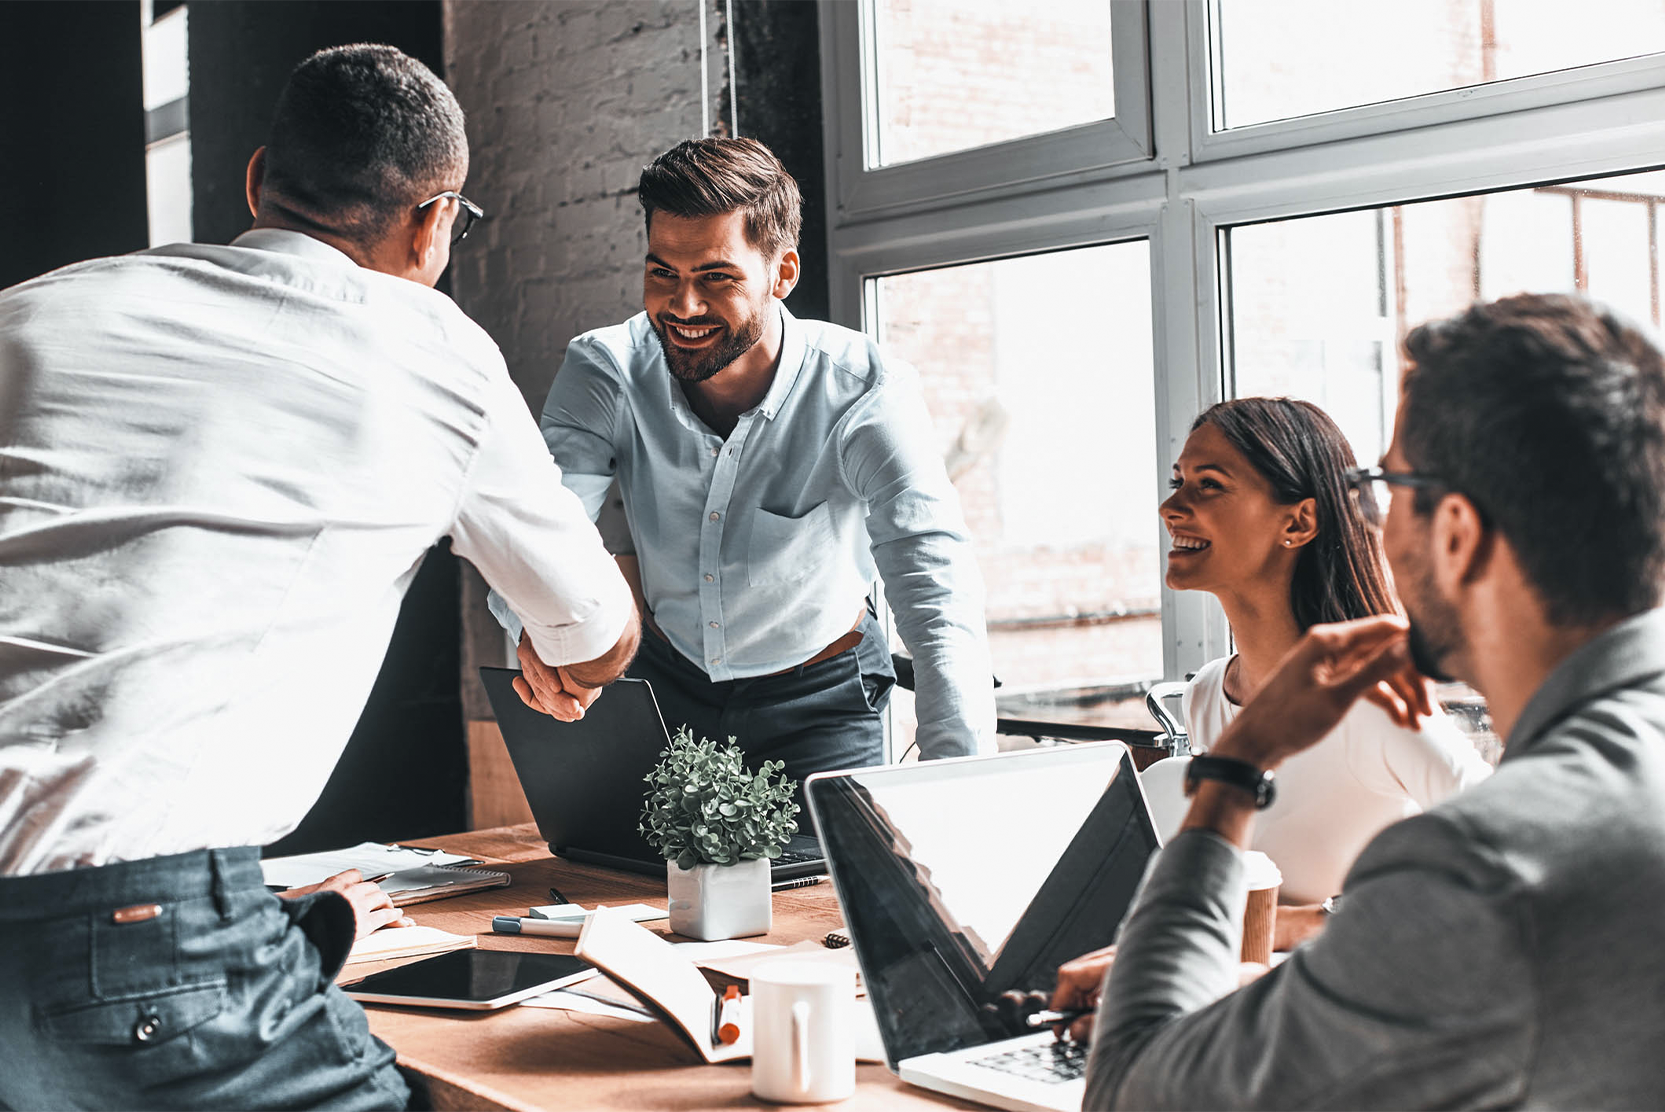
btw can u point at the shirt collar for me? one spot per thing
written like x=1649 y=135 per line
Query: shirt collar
x=286 y=242
x=790 y=364
x=1632 y=651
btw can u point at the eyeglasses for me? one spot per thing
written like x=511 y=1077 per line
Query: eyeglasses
x=467 y=213
x=1372 y=488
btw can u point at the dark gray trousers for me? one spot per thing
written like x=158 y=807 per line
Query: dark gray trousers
x=225 y=998
x=814 y=718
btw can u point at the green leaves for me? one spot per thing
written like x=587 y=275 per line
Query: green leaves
x=704 y=806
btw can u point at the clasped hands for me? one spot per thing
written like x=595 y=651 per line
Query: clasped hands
x=550 y=688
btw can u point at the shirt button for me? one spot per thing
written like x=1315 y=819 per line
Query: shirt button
x=714 y=451
x=713 y=625
x=710 y=578
x=715 y=515
x=147 y=1028
x=716 y=660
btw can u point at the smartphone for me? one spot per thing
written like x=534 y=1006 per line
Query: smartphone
x=478 y=980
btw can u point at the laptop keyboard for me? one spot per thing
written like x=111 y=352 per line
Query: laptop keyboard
x=1056 y=1061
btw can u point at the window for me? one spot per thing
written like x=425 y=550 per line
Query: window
x=167 y=123
x=1402 y=160
x=1287 y=58
x=1318 y=305
x=1037 y=371
x=957 y=74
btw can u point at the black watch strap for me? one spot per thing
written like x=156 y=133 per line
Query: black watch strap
x=1228 y=770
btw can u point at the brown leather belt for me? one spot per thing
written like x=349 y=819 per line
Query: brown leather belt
x=843 y=643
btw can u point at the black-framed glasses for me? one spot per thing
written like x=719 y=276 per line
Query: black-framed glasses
x=1372 y=487
x=467 y=213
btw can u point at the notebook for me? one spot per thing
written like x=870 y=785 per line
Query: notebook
x=418 y=875
x=961 y=879
x=585 y=783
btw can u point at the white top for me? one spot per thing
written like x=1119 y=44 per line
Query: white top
x=1333 y=798
x=219 y=470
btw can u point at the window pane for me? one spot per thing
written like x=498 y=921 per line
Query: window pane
x=1320 y=304
x=1038 y=375
x=1285 y=58
x=956 y=74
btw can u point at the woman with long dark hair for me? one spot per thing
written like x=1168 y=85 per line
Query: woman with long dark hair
x=1262 y=518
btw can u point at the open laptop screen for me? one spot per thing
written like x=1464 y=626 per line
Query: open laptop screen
x=962 y=879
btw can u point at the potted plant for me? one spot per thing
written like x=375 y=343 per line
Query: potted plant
x=718 y=825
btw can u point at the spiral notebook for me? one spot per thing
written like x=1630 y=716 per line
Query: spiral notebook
x=418 y=875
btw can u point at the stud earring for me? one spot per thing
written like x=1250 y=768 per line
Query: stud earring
x=1286 y=544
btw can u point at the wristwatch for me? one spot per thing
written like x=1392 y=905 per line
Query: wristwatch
x=1242 y=774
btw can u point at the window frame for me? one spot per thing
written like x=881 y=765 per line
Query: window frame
x=1188 y=185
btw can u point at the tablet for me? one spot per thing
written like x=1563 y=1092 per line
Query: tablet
x=477 y=979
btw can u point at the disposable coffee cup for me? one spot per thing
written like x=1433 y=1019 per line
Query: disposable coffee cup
x=1260 y=915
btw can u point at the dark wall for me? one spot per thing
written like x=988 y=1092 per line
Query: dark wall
x=778 y=74
x=72 y=134
x=405 y=771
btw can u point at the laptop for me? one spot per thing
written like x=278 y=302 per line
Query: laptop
x=961 y=879
x=585 y=780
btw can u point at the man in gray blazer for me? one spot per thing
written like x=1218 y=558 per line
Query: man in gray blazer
x=1503 y=948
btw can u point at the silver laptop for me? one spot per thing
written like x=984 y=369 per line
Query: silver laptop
x=584 y=780
x=963 y=879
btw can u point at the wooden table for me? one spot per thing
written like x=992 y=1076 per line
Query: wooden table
x=537 y=1058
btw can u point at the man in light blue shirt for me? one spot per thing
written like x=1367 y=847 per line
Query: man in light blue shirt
x=769 y=467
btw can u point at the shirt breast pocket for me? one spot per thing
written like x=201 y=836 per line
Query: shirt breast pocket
x=785 y=549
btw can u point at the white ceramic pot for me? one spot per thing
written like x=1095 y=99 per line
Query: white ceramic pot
x=720 y=901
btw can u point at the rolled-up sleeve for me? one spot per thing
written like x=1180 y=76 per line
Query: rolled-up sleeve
x=580 y=420
x=1418 y=993
x=924 y=554
x=534 y=543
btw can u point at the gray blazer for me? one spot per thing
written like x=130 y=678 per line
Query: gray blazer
x=1505 y=949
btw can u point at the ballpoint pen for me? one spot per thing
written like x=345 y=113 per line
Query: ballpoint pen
x=555 y=894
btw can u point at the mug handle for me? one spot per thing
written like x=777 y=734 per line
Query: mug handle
x=800 y=1047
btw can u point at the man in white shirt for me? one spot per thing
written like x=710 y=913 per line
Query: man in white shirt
x=771 y=468
x=220 y=468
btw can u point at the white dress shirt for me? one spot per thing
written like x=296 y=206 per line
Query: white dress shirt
x=1331 y=799
x=219 y=470
x=757 y=549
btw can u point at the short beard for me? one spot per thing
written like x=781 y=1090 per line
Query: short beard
x=698 y=366
x=1425 y=657
x=1436 y=637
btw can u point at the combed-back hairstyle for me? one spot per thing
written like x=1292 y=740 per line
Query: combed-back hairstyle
x=710 y=177
x=361 y=134
x=1295 y=446
x=1548 y=413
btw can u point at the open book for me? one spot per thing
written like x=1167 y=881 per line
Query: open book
x=405 y=942
x=666 y=981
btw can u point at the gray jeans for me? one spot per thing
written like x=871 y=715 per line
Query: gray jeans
x=181 y=982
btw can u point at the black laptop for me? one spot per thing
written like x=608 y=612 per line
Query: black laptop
x=585 y=780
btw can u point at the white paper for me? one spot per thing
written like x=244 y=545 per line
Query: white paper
x=573 y=1002
x=561 y=913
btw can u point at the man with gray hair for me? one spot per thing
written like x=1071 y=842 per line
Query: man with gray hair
x=220 y=468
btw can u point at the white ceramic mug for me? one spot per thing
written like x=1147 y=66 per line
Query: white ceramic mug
x=803 y=1031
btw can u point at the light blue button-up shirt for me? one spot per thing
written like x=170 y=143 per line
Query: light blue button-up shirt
x=756 y=551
